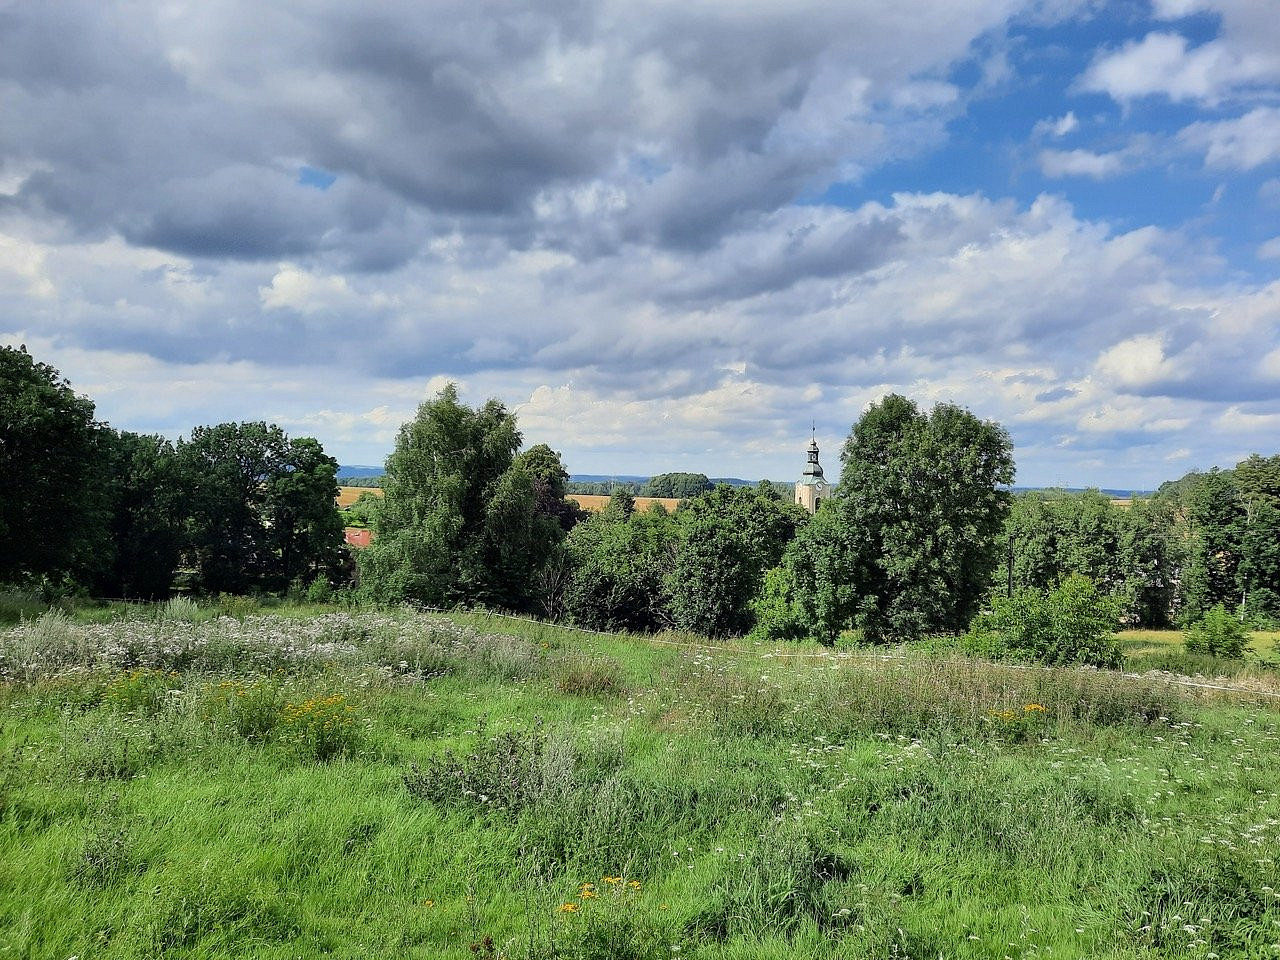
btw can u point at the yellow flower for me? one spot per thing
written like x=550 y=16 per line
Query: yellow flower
x=428 y=903
x=664 y=906
x=1034 y=707
x=634 y=884
x=567 y=907
x=589 y=894
x=612 y=880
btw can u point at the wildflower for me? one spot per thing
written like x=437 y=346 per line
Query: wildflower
x=567 y=907
x=428 y=903
x=664 y=906
x=1033 y=708
x=612 y=880
x=589 y=894
x=633 y=884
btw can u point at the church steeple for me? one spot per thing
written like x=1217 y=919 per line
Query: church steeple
x=812 y=487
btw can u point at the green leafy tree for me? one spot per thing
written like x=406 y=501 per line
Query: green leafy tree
x=1258 y=479
x=1217 y=519
x=1133 y=552
x=1155 y=552
x=678 y=485
x=146 y=491
x=460 y=521
x=728 y=539
x=1072 y=623
x=260 y=507
x=813 y=593
x=922 y=498
x=53 y=509
x=303 y=525
x=619 y=563
x=550 y=486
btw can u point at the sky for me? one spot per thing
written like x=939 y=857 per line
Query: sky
x=669 y=235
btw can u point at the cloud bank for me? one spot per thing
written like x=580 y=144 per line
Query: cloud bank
x=619 y=218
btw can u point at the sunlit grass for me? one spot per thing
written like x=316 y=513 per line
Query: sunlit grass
x=487 y=787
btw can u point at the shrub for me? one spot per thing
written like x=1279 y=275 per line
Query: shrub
x=1218 y=634
x=319 y=591
x=1073 y=623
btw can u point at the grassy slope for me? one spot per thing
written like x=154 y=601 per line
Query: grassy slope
x=767 y=805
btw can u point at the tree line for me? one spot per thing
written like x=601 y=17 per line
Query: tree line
x=235 y=507
x=921 y=536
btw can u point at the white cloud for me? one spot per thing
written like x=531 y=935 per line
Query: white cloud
x=1270 y=250
x=1083 y=163
x=1137 y=362
x=1056 y=126
x=1162 y=64
x=297 y=289
x=1239 y=144
x=1239 y=421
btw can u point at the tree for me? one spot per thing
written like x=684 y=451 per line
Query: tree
x=146 y=491
x=303 y=524
x=924 y=501
x=1216 y=515
x=619 y=562
x=1133 y=552
x=260 y=507
x=728 y=538
x=460 y=521
x=813 y=593
x=680 y=486
x=53 y=512
x=1156 y=555
x=550 y=484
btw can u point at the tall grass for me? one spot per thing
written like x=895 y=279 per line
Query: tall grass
x=409 y=785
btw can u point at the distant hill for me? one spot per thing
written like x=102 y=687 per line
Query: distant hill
x=351 y=471
x=359 y=471
x=1111 y=492
x=640 y=481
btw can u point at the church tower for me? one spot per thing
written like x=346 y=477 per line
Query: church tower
x=812 y=488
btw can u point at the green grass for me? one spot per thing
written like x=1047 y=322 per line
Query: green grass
x=370 y=785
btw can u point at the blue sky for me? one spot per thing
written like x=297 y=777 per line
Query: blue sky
x=669 y=235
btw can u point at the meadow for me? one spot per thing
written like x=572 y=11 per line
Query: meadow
x=393 y=783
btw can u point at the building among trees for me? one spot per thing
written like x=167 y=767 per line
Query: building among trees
x=812 y=487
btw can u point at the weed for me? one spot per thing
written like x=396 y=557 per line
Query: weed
x=590 y=677
x=251 y=708
x=503 y=772
x=179 y=610
x=140 y=690
x=320 y=728
x=106 y=853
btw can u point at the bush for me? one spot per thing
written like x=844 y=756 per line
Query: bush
x=319 y=591
x=1218 y=634
x=1073 y=623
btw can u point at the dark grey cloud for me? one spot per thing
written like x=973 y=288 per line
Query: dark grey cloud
x=184 y=130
